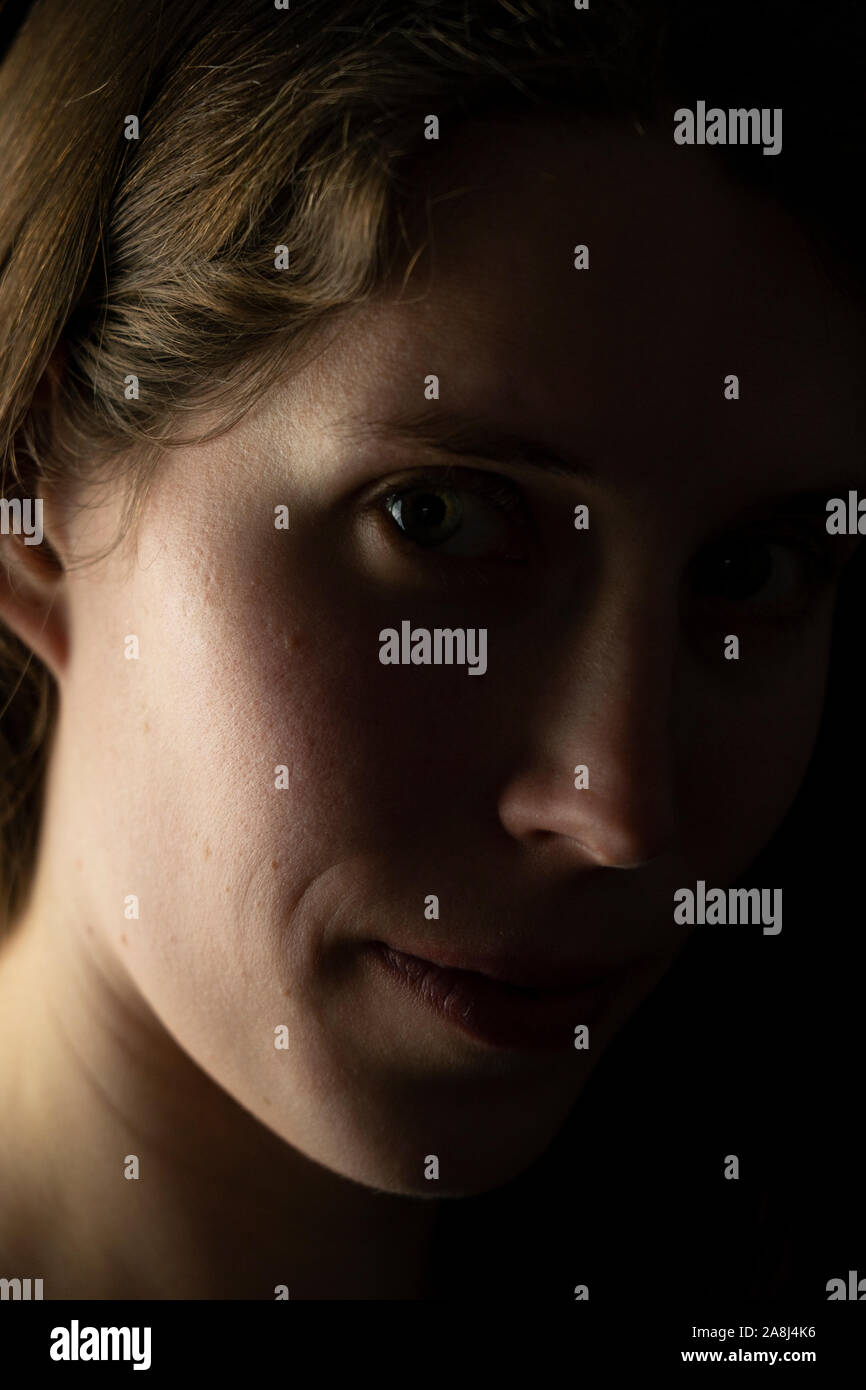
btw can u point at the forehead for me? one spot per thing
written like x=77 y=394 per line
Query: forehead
x=690 y=279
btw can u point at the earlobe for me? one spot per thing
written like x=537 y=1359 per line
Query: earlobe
x=33 y=599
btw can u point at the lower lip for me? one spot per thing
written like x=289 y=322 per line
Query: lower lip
x=495 y=1013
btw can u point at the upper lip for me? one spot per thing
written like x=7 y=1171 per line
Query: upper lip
x=519 y=971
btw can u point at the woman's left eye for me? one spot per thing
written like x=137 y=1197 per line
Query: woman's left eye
x=475 y=520
x=774 y=575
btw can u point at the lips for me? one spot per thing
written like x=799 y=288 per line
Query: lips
x=512 y=1002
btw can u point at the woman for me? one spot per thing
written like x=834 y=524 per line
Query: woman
x=351 y=358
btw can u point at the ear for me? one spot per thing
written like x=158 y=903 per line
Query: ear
x=32 y=590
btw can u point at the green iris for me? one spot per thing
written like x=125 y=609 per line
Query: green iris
x=427 y=516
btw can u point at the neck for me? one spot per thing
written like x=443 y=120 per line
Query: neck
x=221 y=1208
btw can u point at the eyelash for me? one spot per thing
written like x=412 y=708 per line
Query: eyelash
x=803 y=535
x=490 y=485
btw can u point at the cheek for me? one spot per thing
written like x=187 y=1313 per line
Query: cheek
x=748 y=759
x=278 y=747
x=248 y=786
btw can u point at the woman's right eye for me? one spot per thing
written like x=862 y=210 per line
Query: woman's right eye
x=427 y=516
x=478 y=519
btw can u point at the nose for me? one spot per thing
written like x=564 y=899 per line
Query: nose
x=603 y=701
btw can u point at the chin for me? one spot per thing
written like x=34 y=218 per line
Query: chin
x=444 y=1158
x=472 y=1180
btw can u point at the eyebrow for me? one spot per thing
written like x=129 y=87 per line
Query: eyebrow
x=806 y=502
x=468 y=435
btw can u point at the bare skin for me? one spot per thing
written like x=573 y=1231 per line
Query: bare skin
x=259 y=648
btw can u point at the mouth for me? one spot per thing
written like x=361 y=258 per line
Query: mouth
x=505 y=1005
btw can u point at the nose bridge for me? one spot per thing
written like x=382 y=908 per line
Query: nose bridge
x=608 y=706
x=645 y=655
x=614 y=690
x=617 y=713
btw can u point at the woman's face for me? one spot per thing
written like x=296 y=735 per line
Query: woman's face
x=261 y=892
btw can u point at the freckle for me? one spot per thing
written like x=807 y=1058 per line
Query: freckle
x=89 y=929
x=195 y=834
x=265 y=1100
x=275 y=863
x=287 y=991
x=207 y=851
x=146 y=727
x=297 y=640
x=228 y=888
x=123 y=938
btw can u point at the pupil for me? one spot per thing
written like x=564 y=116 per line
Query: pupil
x=427 y=510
